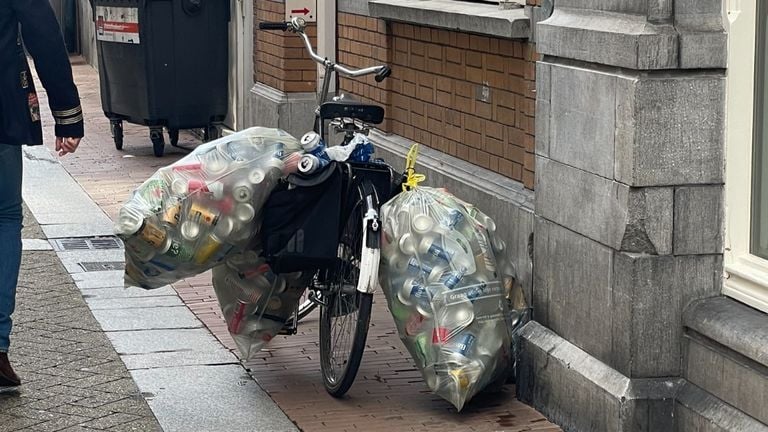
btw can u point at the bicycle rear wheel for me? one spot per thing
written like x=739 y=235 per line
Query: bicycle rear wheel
x=345 y=313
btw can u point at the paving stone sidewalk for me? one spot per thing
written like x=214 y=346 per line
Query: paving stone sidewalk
x=73 y=380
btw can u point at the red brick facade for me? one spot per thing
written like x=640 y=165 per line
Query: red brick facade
x=280 y=60
x=436 y=91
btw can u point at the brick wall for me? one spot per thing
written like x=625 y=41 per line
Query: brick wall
x=363 y=42
x=432 y=95
x=280 y=60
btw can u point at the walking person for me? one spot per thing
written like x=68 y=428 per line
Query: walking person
x=31 y=24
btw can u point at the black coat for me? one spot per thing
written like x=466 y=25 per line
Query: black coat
x=35 y=22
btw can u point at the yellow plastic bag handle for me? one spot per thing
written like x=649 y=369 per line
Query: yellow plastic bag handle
x=412 y=181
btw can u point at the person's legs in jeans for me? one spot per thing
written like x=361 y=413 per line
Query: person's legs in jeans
x=10 y=236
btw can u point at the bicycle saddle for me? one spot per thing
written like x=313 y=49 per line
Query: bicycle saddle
x=368 y=113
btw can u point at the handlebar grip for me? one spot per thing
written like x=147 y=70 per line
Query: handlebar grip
x=383 y=74
x=273 y=26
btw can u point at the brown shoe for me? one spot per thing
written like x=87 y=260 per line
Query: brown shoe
x=8 y=378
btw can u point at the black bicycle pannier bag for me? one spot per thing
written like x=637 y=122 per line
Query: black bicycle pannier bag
x=300 y=226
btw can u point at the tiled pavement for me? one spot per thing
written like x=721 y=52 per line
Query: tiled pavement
x=388 y=393
x=73 y=378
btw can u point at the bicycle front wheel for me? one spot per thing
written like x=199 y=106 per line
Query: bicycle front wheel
x=345 y=313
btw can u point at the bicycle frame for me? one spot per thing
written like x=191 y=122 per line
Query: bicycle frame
x=364 y=185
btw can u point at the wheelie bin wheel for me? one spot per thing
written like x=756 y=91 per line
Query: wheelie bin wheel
x=158 y=141
x=117 y=133
x=173 y=135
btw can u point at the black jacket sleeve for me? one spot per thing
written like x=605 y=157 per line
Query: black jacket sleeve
x=43 y=39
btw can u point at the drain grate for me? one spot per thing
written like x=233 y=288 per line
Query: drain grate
x=87 y=243
x=94 y=266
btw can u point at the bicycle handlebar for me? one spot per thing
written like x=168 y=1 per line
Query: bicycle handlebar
x=297 y=25
x=273 y=26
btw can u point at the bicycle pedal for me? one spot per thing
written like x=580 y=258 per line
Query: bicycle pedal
x=314 y=299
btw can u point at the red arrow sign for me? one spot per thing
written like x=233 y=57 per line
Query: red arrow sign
x=304 y=11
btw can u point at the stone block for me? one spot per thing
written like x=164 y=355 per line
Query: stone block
x=672 y=130
x=133 y=302
x=572 y=287
x=698 y=220
x=356 y=7
x=583 y=118
x=731 y=324
x=468 y=17
x=101 y=279
x=537 y=14
x=730 y=377
x=697 y=410
x=144 y=349
x=638 y=295
x=175 y=317
x=542 y=127
x=704 y=15
x=617 y=39
x=543 y=107
x=237 y=401
x=291 y=112
x=648 y=296
x=703 y=50
x=124 y=293
x=649 y=224
x=639 y=7
x=661 y=10
x=579 y=392
x=543 y=81
x=611 y=213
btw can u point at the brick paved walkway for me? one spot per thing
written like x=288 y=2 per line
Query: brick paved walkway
x=388 y=393
x=72 y=377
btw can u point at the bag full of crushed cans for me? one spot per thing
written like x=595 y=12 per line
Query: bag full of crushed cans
x=256 y=302
x=191 y=215
x=451 y=290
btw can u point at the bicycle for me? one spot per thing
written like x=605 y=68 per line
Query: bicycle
x=343 y=286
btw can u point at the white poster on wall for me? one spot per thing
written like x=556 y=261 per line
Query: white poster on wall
x=117 y=24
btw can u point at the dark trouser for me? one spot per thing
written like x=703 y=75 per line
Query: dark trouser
x=10 y=236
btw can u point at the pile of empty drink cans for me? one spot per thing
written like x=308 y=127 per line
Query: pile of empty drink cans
x=193 y=214
x=449 y=286
x=256 y=302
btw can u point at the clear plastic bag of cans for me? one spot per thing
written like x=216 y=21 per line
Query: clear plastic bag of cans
x=451 y=289
x=189 y=216
x=256 y=302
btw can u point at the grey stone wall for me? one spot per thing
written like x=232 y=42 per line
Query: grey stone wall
x=630 y=117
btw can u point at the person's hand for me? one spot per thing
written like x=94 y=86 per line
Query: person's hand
x=66 y=145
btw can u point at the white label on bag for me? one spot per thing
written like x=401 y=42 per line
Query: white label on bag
x=117 y=24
